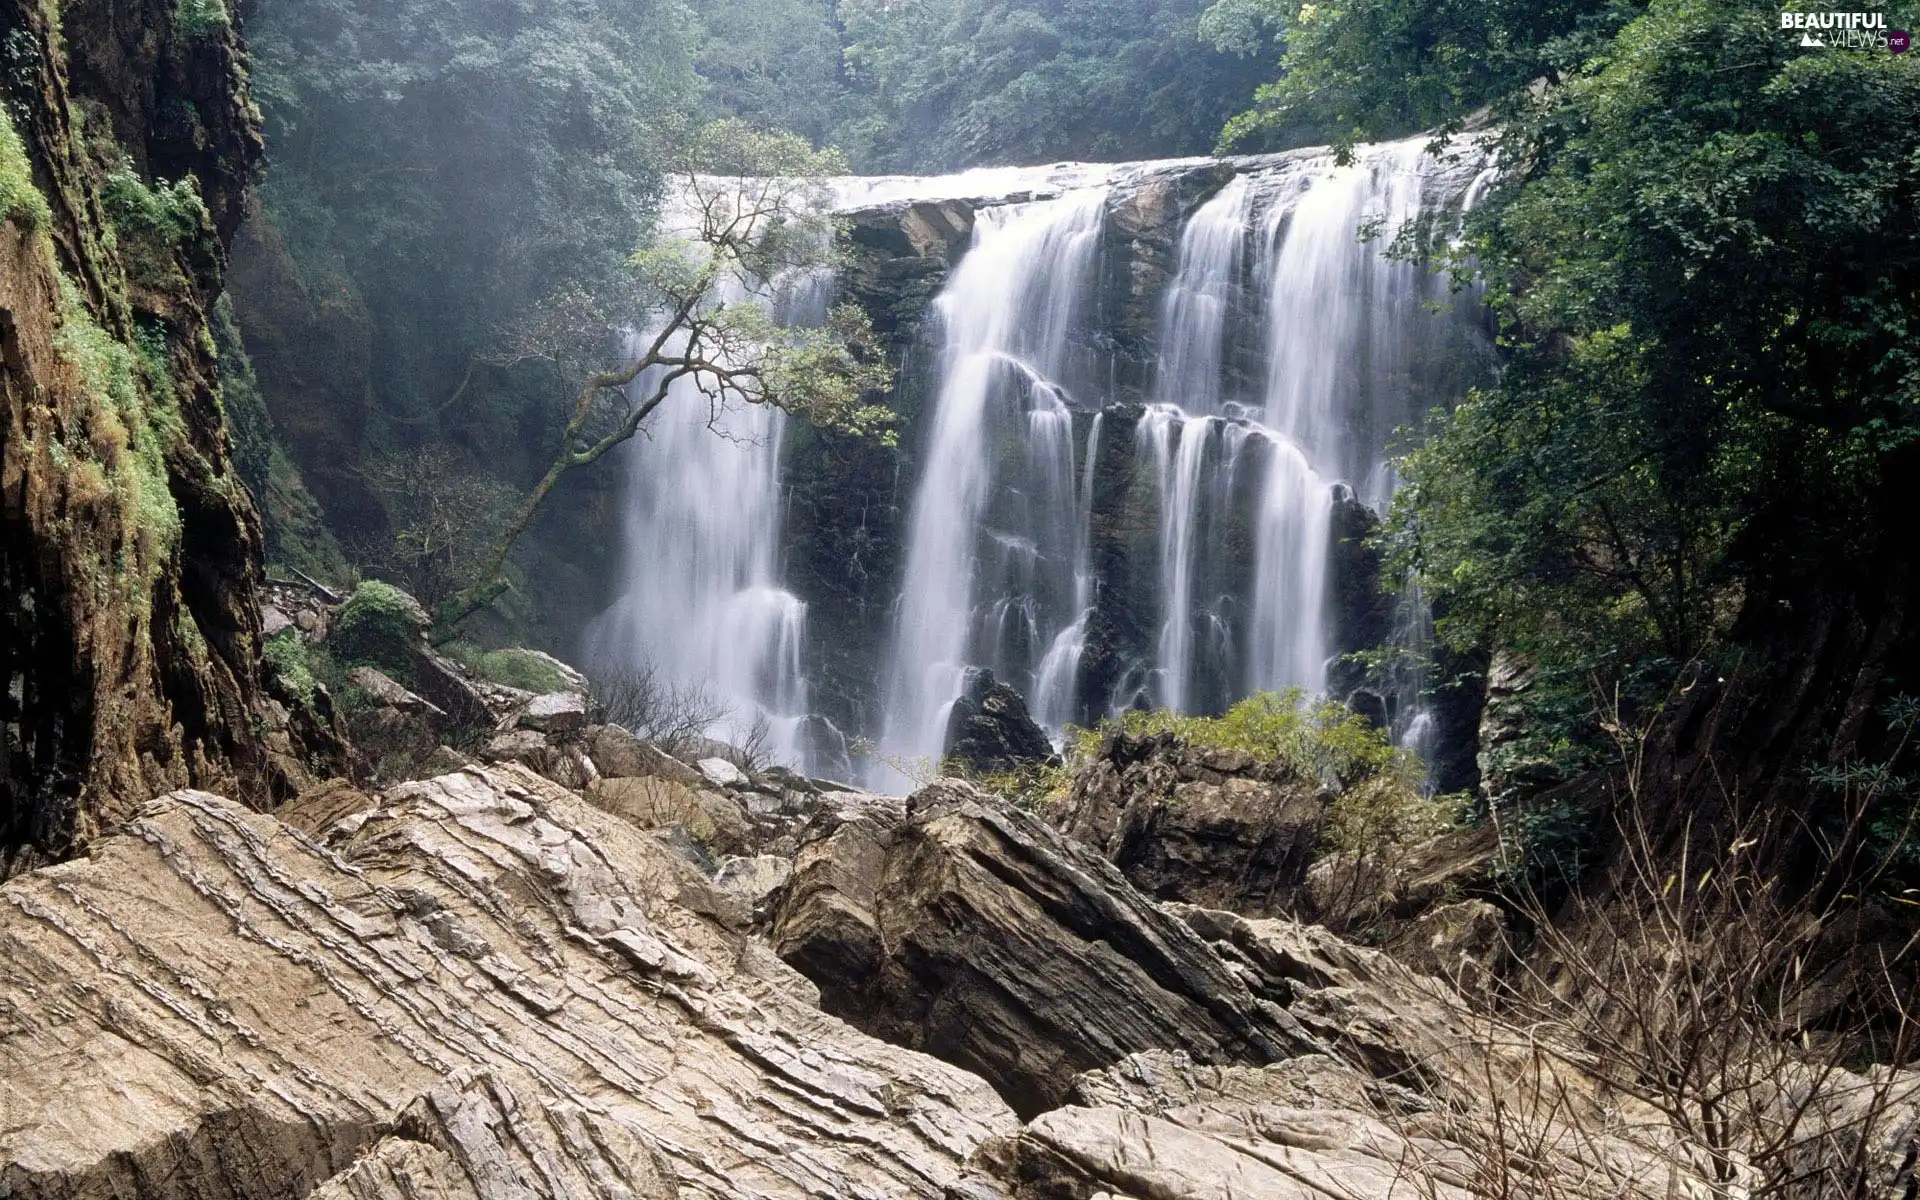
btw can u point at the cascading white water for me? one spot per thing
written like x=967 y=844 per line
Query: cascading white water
x=1199 y=303
x=1286 y=353
x=1057 y=678
x=995 y=563
x=702 y=608
x=1348 y=339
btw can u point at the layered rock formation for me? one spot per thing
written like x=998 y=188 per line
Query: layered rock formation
x=487 y=985
x=484 y=986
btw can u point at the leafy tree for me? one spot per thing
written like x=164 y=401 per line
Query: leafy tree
x=776 y=64
x=964 y=82
x=748 y=218
x=1706 y=259
x=1356 y=70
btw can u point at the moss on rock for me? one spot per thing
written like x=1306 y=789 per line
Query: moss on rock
x=382 y=626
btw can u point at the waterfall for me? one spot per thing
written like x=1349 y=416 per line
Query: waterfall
x=996 y=558
x=701 y=608
x=1199 y=303
x=1248 y=390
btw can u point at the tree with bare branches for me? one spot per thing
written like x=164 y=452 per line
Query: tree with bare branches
x=748 y=213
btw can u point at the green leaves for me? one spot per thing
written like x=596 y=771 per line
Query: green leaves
x=1705 y=258
x=1362 y=70
x=966 y=82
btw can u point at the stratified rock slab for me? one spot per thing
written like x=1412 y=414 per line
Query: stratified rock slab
x=483 y=988
x=978 y=933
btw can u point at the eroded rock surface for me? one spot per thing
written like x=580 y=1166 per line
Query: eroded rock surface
x=482 y=987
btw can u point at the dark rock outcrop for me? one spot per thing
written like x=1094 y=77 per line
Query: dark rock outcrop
x=975 y=932
x=1209 y=827
x=989 y=729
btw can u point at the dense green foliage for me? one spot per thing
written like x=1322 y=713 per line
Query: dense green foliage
x=1706 y=269
x=1355 y=70
x=965 y=82
x=1706 y=263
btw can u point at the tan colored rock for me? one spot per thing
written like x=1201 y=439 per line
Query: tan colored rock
x=753 y=880
x=716 y=821
x=486 y=988
x=555 y=713
x=618 y=754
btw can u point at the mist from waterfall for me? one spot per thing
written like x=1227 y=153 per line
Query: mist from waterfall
x=996 y=573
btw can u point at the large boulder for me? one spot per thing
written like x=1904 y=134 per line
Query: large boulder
x=976 y=932
x=1204 y=826
x=483 y=987
x=990 y=730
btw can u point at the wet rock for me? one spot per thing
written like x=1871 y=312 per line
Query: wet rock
x=989 y=728
x=1204 y=826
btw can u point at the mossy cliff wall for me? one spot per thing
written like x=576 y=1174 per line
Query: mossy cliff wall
x=129 y=547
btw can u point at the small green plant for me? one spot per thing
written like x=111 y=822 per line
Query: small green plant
x=1034 y=787
x=514 y=668
x=285 y=655
x=173 y=212
x=1321 y=739
x=1383 y=812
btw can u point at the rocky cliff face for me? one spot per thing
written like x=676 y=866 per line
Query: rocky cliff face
x=128 y=546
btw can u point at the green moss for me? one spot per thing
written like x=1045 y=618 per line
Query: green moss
x=288 y=666
x=130 y=433
x=20 y=200
x=380 y=625
x=1322 y=740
